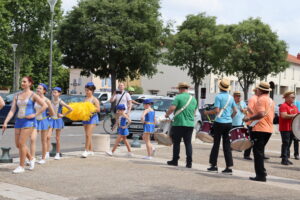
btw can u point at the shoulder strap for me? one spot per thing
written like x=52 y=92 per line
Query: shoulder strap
x=120 y=99
x=184 y=107
x=222 y=109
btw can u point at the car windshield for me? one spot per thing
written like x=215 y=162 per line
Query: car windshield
x=70 y=98
x=158 y=105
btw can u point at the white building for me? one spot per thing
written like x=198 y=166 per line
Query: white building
x=167 y=78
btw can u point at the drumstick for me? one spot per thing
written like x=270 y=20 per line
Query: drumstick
x=208 y=118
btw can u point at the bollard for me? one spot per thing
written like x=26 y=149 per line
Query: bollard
x=53 y=152
x=101 y=142
x=136 y=141
x=5 y=158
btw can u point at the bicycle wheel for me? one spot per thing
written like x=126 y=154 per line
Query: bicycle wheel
x=107 y=125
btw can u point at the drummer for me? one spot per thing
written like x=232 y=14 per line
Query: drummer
x=225 y=109
x=237 y=120
x=288 y=111
x=262 y=128
x=295 y=140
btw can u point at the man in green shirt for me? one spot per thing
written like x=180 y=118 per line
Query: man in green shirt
x=184 y=107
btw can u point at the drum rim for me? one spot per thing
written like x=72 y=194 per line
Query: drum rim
x=238 y=128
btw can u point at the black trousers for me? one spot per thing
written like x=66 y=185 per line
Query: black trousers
x=260 y=140
x=296 y=145
x=221 y=130
x=286 y=138
x=248 y=151
x=185 y=133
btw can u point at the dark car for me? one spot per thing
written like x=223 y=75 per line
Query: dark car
x=8 y=98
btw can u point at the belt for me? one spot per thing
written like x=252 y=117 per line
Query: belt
x=149 y=123
x=42 y=119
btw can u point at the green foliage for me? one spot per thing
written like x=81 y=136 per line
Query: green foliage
x=137 y=89
x=253 y=51
x=192 y=47
x=117 y=38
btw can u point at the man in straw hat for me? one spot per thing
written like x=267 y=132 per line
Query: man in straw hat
x=237 y=120
x=287 y=112
x=184 y=107
x=262 y=128
x=225 y=108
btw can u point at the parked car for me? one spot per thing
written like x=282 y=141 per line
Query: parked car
x=8 y=98
x=103 y=97
x=160 y=106
x=71 y=99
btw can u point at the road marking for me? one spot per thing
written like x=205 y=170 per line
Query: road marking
x=22 y=193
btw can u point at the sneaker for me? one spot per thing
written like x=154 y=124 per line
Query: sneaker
x=213 y=169
x=261 y=179
x=41 y=162
x=173 y=163
x=247 y=158
x=19 y=170
x=147 y=158
x=32 y=164
x=47 y=156
x=91 y=153
x=57 y=156
x=153 y=151
x=188 y=165
x=27 y=162
x=296 y=157
x=110 y=153
x=227 y=171
x=289 y=162
x=84 y=154
x=130 y=154
x=284 y=162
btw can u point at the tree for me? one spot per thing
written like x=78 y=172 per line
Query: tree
x=192 y=47
x=28 y=22
x=117 y=38
x=253 y=51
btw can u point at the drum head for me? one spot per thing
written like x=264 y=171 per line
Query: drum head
x=296 y=126
x=205 y=137
x=241 y=144
x=163 y=139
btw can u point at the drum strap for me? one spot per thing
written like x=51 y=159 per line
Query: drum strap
x=183 y=108
x=253 y=123
x=222 y=109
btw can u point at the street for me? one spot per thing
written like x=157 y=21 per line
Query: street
x=120 y=177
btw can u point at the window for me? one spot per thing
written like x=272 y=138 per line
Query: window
x=109 y=82
x=103 y=82
x=283 y=89
x=293 y=76
x=216 y=86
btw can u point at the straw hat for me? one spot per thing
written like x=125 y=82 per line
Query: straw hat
x=264 y=86
x=237 y=93
x=224 y=84
x=183 y=85
x=288 y=93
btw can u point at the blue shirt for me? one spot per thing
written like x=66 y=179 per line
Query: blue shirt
x=220 y=102
x=238 y=118
x=297 y=103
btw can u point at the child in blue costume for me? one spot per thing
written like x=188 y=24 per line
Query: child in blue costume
x=148 y=119
x=23 y=105
x=94 y=120
x=123 y=122
x=56 y=121
x=43 y=122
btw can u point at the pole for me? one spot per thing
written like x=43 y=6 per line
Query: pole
x=15 y=76
x=51 y=47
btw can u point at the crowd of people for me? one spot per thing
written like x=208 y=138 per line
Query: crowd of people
x=35 y=113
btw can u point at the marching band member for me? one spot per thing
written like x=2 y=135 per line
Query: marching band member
x=43 y=123
x=123 y=121
x=237 y=120
x=225 y=109
x=56 y=121
x=148 y=119
x=295 y=140
x=94 y=120
x=2 y=103
x=287 y=112
x=25 y=123
x=262 y=128
x=184 y=107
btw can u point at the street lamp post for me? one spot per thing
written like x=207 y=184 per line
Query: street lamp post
x=52 y=5
x=14 y=46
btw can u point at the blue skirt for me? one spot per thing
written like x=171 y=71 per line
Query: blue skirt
x=149 y=128
x=43 y=124
x=94 y=120
x=57 y=123
x=25 y=123
x=123 y=131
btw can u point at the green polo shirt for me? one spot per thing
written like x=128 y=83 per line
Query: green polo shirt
x=186 y=117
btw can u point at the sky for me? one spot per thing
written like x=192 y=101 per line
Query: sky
x=282 y=15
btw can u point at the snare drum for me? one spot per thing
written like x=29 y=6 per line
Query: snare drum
x=239 y=139
x=162 y=136
x=205 y=133
x=296 y=126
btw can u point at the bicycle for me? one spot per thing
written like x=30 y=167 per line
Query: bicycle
x=107 y=123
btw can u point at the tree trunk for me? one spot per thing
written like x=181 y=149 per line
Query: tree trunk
x=245 y=90
x=197 y=91
x=113 y=86
x=18 y=69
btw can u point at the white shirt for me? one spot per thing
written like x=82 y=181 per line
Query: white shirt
x=126 y=97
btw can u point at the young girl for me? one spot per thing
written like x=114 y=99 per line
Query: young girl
x=123 y=122
x=90 y=125
x=25 y=123
x=148 y=119
x=43 y=122
x=56 y=121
